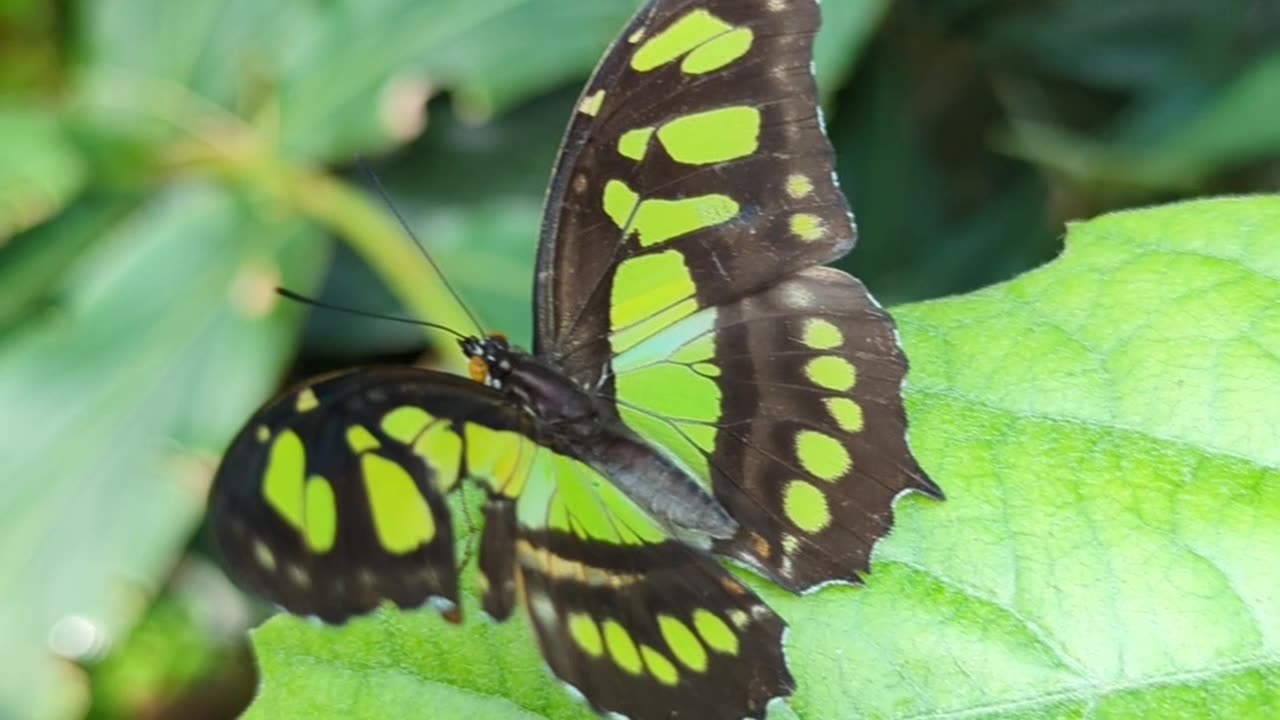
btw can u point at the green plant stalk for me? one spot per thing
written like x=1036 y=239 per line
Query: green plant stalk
x=359 y=221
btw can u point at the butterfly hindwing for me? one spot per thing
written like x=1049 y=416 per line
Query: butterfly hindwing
x=812 y=450
x=643 y=625
x=694 y=172
x=787 y=405
x=674 y=635
x=498 y=556
x=331 y=500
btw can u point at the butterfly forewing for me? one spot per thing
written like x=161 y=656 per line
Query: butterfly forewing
x=331 y=500
x=695 y=171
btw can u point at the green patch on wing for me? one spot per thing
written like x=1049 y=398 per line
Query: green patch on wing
x=666 y=393
x=564 y=494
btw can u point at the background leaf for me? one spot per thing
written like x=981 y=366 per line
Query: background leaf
x=1229 y=130
x=173 y=319
x=332 y=79
x=40 y=172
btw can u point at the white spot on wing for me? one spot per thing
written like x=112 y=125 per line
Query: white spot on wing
x=543 y=610
x=795 y=295
x=298 y=575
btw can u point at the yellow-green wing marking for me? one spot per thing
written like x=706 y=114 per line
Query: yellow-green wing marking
x=331 y=500
x=643 y=625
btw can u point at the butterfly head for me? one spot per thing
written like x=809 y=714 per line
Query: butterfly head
x=488 y=359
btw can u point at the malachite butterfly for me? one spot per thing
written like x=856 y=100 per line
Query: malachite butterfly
x=700 y=387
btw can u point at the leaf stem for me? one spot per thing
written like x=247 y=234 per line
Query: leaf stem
x=356 y=218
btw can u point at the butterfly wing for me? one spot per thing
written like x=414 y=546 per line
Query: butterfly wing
x=331 y=500
x=678 y=273
x=643 y=625
x=787 y=405
x=694 y=172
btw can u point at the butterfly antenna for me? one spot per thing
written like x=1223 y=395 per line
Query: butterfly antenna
x=284 y=292
x=444 y=279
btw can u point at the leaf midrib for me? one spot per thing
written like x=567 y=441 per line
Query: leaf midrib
x=1091 y=693
x=1259 y=464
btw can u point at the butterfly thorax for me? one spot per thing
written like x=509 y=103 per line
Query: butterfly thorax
x=545 y=391
x=575 y=421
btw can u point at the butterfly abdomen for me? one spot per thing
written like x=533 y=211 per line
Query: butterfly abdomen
x=666 y=492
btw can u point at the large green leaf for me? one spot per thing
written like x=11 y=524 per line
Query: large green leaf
x=1105 y=431
x=114 y=403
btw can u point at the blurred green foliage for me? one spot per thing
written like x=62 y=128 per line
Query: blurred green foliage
x=164 y=165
